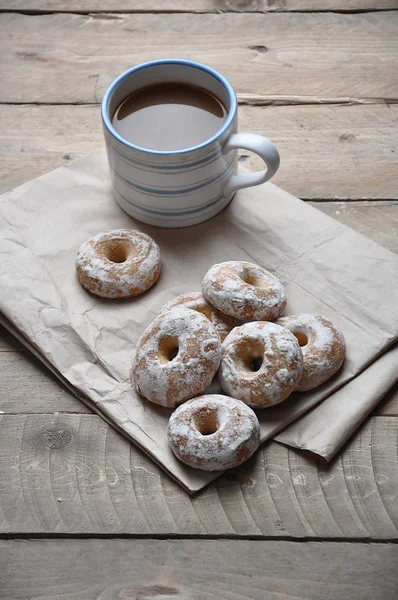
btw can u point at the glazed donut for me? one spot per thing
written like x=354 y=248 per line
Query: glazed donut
x=213 y=432
x=118 y=264
x=261 y=363
x=244 y=291
x=322 y=345
x=196 y=301
x=176 y=358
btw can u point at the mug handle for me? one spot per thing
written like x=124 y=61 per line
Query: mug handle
x=259 y=145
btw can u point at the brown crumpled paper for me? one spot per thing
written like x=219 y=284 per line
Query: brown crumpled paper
x=89 y=342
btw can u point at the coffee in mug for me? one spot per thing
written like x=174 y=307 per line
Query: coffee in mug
x=169 y=116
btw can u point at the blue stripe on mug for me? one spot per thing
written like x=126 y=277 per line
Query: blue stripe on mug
x=174 y=191
x=176 y=167
x=170 y=213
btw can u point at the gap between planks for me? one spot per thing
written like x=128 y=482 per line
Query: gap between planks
x=103 y=9
x=248 y=100
x=48 y=536
x=108 y=15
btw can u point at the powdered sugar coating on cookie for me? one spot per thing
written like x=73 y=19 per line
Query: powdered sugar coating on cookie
x=322 y=345
x=213 y=432
x=196 y=301
x=177 y=357
x=118 y=264
x=261 y=364
x=244 y=290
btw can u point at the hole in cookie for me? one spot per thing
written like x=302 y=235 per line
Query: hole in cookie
x=168 y=349
x=118 y=251
x=251 y=279
x=206 y=421
x=301 y=338
x=250 y=355
x=255 y=363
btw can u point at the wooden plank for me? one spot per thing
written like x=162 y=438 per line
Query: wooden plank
x=26 y=386
x=361 y=139
x=321 y=55
x=38 y=139
x=197 y=570
x=389 y=405
x=74 y=474
x=376 y=220
x=195 y=6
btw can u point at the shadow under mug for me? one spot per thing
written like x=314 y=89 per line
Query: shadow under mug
x=178 y=188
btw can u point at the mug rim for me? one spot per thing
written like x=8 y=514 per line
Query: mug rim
x=169 y=61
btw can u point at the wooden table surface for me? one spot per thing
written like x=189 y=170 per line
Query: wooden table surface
x=83 y=513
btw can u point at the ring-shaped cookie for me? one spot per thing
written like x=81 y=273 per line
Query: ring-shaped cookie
x=322 y=345
x=118 y=264
x=213 y=432
x=176 y=357
x=245 y=291
x=261 y=364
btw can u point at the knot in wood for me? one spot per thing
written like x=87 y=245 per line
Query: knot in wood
x=56 y=438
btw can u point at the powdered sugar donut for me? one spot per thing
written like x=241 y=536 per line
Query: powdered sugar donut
x=213 y=432
x=118 y=264
x=176 y=358
x=244 y=291
x=261 y=364
x=196 y=301
x=322 y=345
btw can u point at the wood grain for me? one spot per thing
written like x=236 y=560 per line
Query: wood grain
x=321 y=55
x=346 y=152
x=197 y=570
x=74 y=474
x=195 y=6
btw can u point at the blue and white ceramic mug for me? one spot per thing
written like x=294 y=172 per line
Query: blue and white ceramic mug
x=178 y=188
